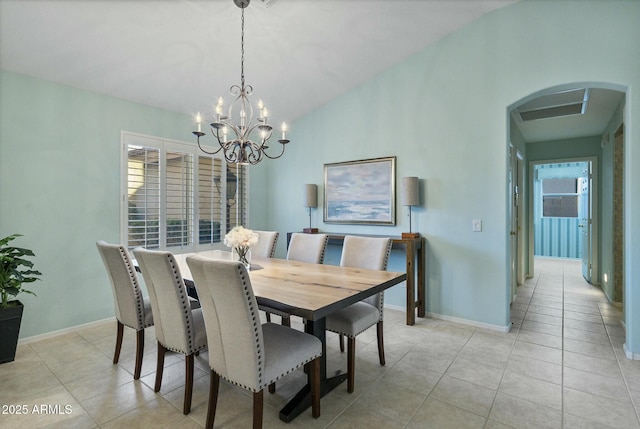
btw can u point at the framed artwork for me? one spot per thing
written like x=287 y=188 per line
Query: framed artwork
x=360 y=192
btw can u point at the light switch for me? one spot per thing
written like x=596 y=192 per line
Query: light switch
x=477 y=225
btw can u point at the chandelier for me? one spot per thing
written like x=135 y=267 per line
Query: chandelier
x=240 y=149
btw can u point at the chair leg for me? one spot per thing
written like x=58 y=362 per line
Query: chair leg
x=341 y=343
x=139 y=353
x=214 y=384
x=119 y=334
x=351 y=364
x=188 y=383
x=159 y=367
x=268 y=316
x=286 y=321
x=258 y=409
x=380 y=343
x=314 y=382
x=272 y=388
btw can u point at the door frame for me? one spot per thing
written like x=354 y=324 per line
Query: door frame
x=595 y=219
x=516 y=221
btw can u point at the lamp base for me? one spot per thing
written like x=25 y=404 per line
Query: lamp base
x=310 y=230
x=410 y=235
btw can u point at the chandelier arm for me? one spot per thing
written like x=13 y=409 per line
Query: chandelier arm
x=223 y=145
x=275 y=157
x=200 y=134
x=253 y=158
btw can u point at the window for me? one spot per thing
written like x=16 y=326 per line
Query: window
x=560 y=197
x=176 y=197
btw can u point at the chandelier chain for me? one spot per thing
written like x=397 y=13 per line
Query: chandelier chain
x=242 y=51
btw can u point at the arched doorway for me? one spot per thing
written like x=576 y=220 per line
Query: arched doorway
x=572 y=121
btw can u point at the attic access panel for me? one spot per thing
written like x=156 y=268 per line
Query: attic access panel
x=558 y=104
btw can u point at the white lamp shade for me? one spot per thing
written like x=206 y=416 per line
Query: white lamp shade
x=311 y=195
x=409 y=192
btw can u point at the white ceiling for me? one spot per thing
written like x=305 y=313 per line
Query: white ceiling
x=180 y=55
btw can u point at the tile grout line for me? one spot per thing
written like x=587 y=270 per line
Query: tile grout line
x=624 y=377
x=562 y=354
x=511 y=354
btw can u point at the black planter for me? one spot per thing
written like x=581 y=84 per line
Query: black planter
x=10 y=319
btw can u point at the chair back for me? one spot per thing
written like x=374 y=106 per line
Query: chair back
x=231 y=319
x=175 y=328
x=307 y=247
x=127 y=295
x=266 y=247
x=369 y=253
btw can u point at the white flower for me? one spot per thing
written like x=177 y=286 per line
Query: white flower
x=240 y=236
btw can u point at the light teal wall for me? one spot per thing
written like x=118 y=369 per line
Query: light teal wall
x=443 y=113
x=60 y=187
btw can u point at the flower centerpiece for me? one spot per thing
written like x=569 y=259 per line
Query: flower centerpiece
x=240 y=240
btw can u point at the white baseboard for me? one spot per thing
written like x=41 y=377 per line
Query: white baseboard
x=456 y=320
x=52 y=334
x=473 y=323
x=629 y=354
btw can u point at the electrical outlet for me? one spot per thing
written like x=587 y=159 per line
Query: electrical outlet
x=477 y=225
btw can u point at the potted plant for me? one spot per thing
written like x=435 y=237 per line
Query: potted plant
x=15 y=270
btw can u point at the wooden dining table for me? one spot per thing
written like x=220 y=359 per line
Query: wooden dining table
x=310 y=291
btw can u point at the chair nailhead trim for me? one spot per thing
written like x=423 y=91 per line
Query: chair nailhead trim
x=186 y=306
x=136 y=288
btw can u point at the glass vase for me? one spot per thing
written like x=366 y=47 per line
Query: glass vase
x=243 y=255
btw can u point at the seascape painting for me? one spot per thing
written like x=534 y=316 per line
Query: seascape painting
x=360 y=192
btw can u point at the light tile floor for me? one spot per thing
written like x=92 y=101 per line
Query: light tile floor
x=561 y=366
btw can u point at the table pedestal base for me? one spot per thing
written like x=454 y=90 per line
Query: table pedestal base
x=302 y=400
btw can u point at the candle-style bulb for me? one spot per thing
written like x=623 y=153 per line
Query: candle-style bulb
x=284 y=131
x=199 y=122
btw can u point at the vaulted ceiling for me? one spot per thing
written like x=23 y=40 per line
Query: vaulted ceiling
x=181 y=55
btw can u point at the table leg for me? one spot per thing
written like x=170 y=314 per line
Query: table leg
x=302 y=400
x=411 y=299
x=422 y=298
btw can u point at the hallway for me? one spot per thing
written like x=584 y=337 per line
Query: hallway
x=573 y=338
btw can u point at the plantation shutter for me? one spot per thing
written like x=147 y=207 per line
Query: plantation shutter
x=209 y=200
x=143 y=197
x=179 y=199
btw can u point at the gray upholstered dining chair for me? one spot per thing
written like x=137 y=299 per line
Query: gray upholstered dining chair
x=132 y=309
x=304 y=248
x=307 y=247
x=178 y=327
x=266 y=247
x=361 y=252
x=243 y=351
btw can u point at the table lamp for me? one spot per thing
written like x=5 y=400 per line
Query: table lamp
x=310 y=201
x=410 y=197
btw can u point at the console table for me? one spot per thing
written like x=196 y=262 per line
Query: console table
x=415 y=252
